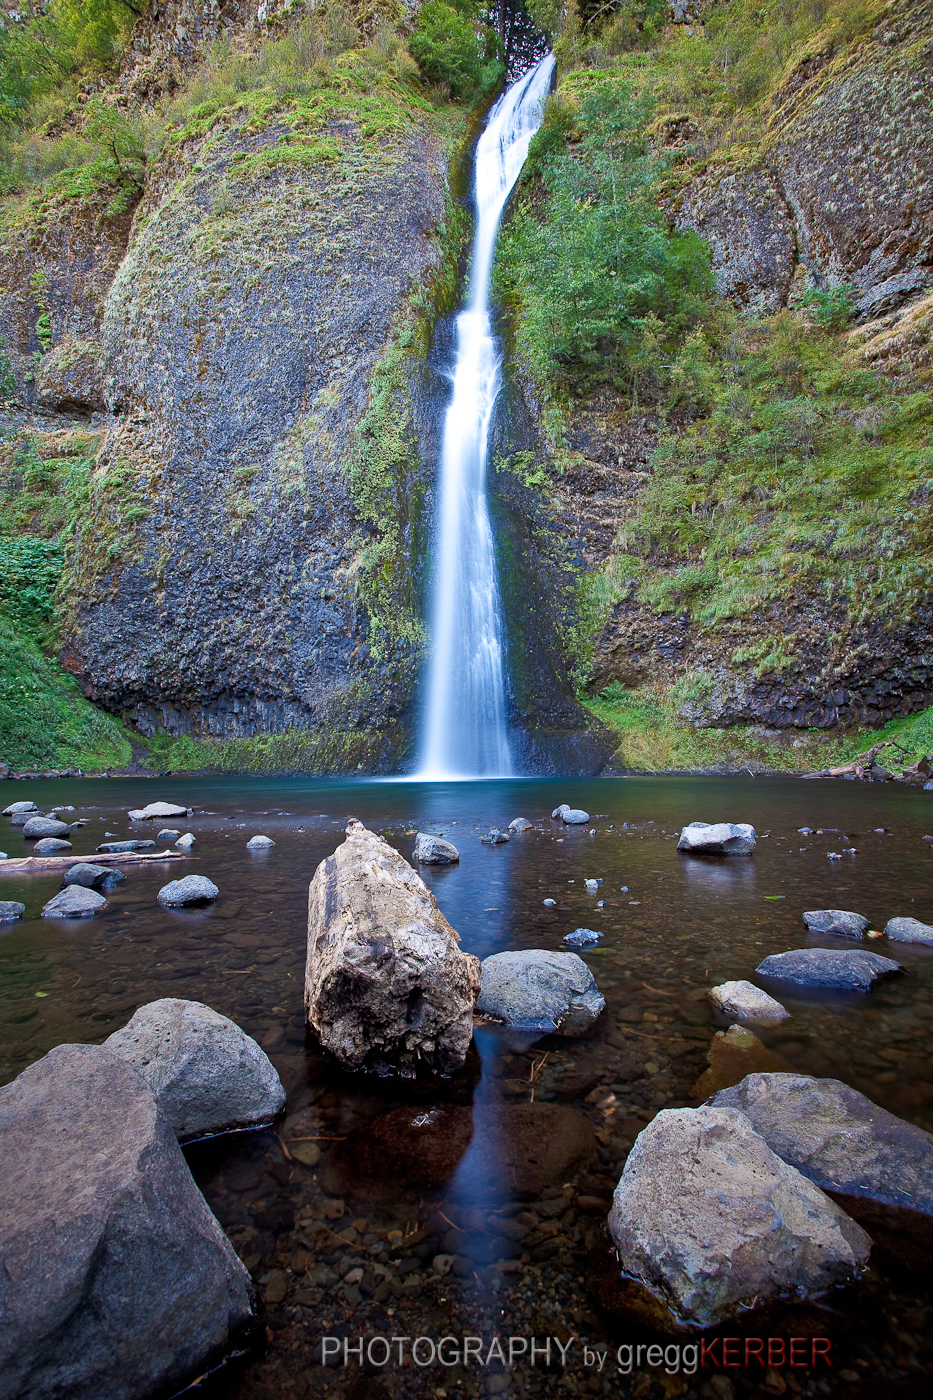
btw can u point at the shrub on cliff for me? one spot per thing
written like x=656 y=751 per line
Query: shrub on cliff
x=455 y=49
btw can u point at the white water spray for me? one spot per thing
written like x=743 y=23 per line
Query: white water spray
x=465 y=730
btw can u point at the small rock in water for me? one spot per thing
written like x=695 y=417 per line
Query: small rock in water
x=592 y=886
x=184 y=843
x=731 y=1056
x=167 y=834
x=574 y=816
x=549 y=903
x=51 y=846
x=839 y=921
x=600 y=904
x=159 y=809
x=718 y=839
x=192 y=889
x=4 y=855
x=746 y=1002
x=92 y=877
x=495 y=837
x=44 y=826
x=434 y=850
x=10 y=911
x=709 y=1221
x=828 y=967
x=581 y=937
x=537 y=990
x=74 y=902
x=520 y=824
x=805 y=831
x=255 y=843
x=908 y=931
x=15 y=808
x=115 y=848
x=559 y=811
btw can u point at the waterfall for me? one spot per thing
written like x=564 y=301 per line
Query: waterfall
x=465 y=722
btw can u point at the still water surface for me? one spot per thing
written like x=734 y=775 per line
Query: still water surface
x=346 y=1243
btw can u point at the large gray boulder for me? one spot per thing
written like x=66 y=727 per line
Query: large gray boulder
x=840 y=921
x=537 y=990
x=743 y=1001
x=11 y=910
x=51 y=846
x=15 y=808
x=710 y=1221
x=828 y=967
x=158 y=810
x=207 y=1074
x=718 y=839
x=434 y=850
x=93 y=877
x=386 y=986
x=117 y=1281
x=838 y=1138
x=255 y=843
x=192 y=889
x=74 y=902
x=908 y=931
x=44 y=826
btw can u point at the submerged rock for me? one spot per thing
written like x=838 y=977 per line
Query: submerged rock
x=495 y=837
x=537 y=990
x=828 y=967
x=191 y=889
x=840 y=921
x=838 y=1138
x=386 y=986
x=119 y=1281
x=115 y=848
x=93 y=877
x=908 y=931
x=184 y=843
x=718 y=839
x=746 y=1002
x=255 y=843
x=160 y=810
x=51 y=846
x=74 y=902
x=709 y=1221
x=434 y=850
x=11 y=910
x=207 y=1074
x=44 y=826
x=731 y=1056
x=581 y=937
x=520 y=824
x=410 y=1147
x=15 y=808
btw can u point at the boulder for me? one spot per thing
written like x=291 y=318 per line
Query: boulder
x=191 y=889
x=495 y=837
x=581 y=938
x=520 y=824
x=115 y=848
x=118 y=1281
x=434 y=850
x=559 y=811
x=839 y=921
x=74 y=902
x=838 y=1138
x=386 y=986
x=168 y=833
x=743 y=1001
x=731 y=1056
x=710 y=1222
x=207 y=1074
x=255 y=843
x=159 y=810
x=184 y=843
x=908 y=931
x=44 y=826
x=718 y=839
x=15 y=808
x=51 y=846
x=537 y=990
x=574 y=816
x=93 y=877
x=11 y=910
x=828 y=967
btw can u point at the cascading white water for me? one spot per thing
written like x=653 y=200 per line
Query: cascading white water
x=465 y=727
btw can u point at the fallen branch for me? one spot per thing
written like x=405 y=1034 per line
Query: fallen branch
x=29 y=863
x=858 y=764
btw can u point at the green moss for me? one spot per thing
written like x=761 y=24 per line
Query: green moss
x=320 y=751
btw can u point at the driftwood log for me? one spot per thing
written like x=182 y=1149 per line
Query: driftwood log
x=40 y=863
x=858 y=765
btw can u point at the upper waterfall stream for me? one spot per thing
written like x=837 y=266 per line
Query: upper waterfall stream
x=465 y=731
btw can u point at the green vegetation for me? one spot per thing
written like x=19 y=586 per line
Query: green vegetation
x=321 y=751
x=456 y=49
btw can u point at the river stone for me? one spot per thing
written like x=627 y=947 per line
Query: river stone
x=495 y=837
x=718 y=839
x=167 y=833
x=255 y=843
x=745 y=1002
x=711 y=1222
x=520 y=824
x=93 y=877
x=434 y=850
x=574 y=816
x=386 y=986
x=159 y=810
x=828 y=967
x=731 y=1056
x=74 y=902
x=184 y=843
x=208 y=1075
x=840 y=921
x=537 y=990
x=118 y=1281
x=559 y=811
x=581 y=938
x=116 y=848
x=11 y=910
x=15 y=808
x=44 y=826
x=908 y=931
x=191 y=889
x=838 y=1138
x=51 y=846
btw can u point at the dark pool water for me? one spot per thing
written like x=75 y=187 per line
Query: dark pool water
x=342 y=1211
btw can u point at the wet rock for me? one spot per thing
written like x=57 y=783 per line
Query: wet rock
x=255 y=843
x=559 y=811
x=549 y=903
x=191 y=889
x=44 y=826
x=119 y=1281
x=495 y=837
x=745 y=1002
x=731 y=1056
x=574 y=816
x=114 y=848
x=74 y=902
x=386 y=987
x=11 y=910
x=839 y=921
x=51 y=846
x=537 y=990
x=520 y=824
x=93 y=877
x=828 y=967
x=908 y=931
x=166 y=834
x=159 y=810
x=207 y=1074
x=15 y=808
x=838 y=1138
x=413 y=1147
x=718 y=839
x=434 y=850
x=709 y=1221
x=184 y=843
x=581 y=938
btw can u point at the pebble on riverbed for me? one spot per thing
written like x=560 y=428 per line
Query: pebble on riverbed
x=192 y=889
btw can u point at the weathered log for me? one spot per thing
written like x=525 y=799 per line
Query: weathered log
x=28 y=864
